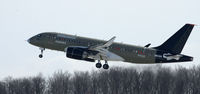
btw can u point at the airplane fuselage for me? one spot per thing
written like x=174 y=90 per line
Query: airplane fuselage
x=130 y=53
x=89 y=49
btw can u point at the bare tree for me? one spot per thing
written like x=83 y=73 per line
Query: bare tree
x=130 y=81
x=115 y=81
x=181 y=81
x=95 y=83
x=39 y=84
x=59 y=83
x=19 y=86
x=81 y=83
x=103 y=82
x=164 y=81
x=194 y=80
x=3 y=88
x=160 y=80
x=146 y=82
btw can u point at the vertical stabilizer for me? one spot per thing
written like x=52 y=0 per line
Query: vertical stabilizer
x=176 y=42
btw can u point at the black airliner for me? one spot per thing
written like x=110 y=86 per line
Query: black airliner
x=88 y=49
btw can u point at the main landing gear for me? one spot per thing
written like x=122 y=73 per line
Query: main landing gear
x=41 y=55
x=99 y=65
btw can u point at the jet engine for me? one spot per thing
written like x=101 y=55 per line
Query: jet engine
x=78 y=53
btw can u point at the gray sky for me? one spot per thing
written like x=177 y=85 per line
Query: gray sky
x=136 y=22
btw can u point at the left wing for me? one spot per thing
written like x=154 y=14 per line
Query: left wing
x=104 y=54
x=103 y=46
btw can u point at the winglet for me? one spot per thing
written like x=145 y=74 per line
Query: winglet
x=192 y=24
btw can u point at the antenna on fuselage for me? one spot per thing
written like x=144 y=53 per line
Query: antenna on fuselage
x=147 y=45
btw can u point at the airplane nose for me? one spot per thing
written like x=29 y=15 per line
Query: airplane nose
x=28 y=40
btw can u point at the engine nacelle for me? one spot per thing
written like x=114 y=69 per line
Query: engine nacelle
x=78 y=53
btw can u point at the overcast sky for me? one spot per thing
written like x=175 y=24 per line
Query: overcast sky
x=136 y=22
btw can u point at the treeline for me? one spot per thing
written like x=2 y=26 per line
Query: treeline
x=113 y=81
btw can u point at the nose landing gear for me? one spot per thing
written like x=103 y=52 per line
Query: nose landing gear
x=41 y=55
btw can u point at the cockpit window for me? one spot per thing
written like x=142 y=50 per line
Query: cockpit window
x=39 y=35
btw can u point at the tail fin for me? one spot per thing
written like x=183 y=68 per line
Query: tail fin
x=176 y=42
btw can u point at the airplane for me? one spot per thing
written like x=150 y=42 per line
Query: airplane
x=89 y=49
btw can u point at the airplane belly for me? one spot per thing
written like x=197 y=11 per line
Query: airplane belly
x=109 y=56
x=114 y=57
x=146 y=58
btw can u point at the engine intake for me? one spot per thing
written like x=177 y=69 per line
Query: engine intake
x=78 y=53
